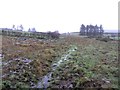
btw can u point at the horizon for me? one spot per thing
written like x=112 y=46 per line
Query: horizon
x=106 y=31
x=62 y=15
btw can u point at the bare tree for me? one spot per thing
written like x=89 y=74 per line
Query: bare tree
x=21 y=27
x=13 y=27
x=101 y=30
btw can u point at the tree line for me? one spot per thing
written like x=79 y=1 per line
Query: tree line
x=91 y=30
x=18 y=31
x=21 y=28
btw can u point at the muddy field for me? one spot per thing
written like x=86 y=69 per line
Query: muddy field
x=68 y=62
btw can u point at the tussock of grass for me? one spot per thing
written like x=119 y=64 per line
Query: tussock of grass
x=92 y=64
x=92 y=67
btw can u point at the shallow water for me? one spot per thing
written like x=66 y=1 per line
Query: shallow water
x=1 y=56
x=6 y=64
x=25 y=60
x=44 y=82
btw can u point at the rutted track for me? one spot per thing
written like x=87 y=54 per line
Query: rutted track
x=92 y=63
x=24 y=61
x=44 y=82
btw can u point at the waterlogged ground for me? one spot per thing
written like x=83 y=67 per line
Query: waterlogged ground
x=25 y=60
x=91 y=66
x=70 y=62
x=44 y=82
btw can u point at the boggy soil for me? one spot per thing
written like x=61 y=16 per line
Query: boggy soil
x=25 y=60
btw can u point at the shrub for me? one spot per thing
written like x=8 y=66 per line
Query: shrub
x=105 y=39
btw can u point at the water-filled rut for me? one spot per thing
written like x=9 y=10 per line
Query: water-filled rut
x=44 y=82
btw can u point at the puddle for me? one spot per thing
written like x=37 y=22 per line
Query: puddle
x=4 y=75
x=6 y=64
x=44 y=82
x=25 y=60
x=1 y=56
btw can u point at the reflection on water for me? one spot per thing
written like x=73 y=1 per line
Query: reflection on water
x=25 y=60
x=44 y=82
x=17 y=60
x=1 y=56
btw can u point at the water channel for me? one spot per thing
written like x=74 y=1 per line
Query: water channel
x=44 y=82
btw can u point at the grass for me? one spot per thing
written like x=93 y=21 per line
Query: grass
x=93 y=64
x=41 y=54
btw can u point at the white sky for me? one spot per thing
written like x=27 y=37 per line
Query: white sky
x=61 y=15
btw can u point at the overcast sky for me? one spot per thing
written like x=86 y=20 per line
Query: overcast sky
x=61 y=15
